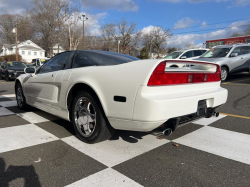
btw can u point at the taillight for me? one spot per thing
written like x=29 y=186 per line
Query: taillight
x=160 y=77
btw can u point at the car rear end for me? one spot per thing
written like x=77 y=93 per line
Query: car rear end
x=172 y=96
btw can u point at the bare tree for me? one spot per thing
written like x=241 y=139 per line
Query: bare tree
x=7 y=23
x=46 y=18
x=160 y=35
x=108 y=33
x=125 y=32
x=156 y=39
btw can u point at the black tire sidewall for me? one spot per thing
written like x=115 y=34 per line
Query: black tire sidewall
x=223 y=68
x=24 y=100
x=100 y=121
x=6 y=77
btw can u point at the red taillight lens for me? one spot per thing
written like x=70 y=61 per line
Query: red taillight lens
x=160 y=77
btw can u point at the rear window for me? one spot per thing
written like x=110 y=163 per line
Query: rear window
x=89 y=58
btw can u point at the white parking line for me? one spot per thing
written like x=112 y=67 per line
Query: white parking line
x=8 y=103
x=107 y=177
x=18 y=137
x=228 y=144
x=113 y=152
x=9 y=95
x=208 y=121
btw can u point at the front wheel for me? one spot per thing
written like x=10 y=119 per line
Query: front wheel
x=21 y=102
x=224 y=74
x=89 y=120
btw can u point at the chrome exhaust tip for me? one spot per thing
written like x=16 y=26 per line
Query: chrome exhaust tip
x=167 y=132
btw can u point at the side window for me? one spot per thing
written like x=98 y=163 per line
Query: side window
x=188 y=54
x=55 y=64
x=197 y=53
x=245 y=50
x=203 y=51
x=237 y=50
x=34 y=61
x=81 y=60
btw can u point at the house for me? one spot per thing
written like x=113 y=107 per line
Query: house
x=55 y=49
x=135 y=51
x=27 y=49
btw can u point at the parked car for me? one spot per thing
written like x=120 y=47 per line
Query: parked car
x=186 y=54
x=232 y=58
x=37 y=62
x=11 y=70
x=99 y=91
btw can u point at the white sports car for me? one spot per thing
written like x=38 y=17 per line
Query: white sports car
x=101 y=91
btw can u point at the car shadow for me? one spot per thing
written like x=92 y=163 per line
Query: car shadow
x=128 y=136
x=28 y=173
x=237 y=77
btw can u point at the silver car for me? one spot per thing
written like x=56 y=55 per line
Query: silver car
x=232 y=58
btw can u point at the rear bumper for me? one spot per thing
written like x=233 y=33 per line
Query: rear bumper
x=151 y=110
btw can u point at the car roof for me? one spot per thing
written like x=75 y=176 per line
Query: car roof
x=231 y=45
x=182 y=50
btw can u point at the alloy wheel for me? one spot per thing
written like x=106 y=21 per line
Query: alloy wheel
x=85 y=116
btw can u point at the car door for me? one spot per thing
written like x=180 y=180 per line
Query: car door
x=40 y=89
x=235 y=63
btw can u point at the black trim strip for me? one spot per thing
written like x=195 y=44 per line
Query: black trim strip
x=120 y=99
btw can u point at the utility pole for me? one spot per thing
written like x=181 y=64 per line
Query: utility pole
x=118 y=45
x=16 y=43
x=84 y=18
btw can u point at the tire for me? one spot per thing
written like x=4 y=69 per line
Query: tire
x=20 y=98
x=6 y=77
x=89 y=120
x=224 y=74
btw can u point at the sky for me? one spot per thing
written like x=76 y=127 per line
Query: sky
x=205 y=19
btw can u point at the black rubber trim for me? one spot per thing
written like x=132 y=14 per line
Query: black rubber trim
x=120 y=99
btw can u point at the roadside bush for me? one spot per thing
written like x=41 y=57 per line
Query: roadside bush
x=10 y=58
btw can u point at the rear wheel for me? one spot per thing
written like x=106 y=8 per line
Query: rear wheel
x=224 y=74
x=89 y=120
x=6 y=77
x=21 y=102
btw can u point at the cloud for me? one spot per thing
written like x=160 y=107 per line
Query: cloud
x=183 y=23
x=204 y=24
x=198 y=39
x=120 y=5
x=14 y=6
x=93 y=24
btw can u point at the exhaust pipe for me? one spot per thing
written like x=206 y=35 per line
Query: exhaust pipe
x=167 y=132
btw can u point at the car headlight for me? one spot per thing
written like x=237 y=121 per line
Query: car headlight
x=11 y=71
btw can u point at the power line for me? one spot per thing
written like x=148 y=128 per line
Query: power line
x=210 y=24
x=211 y=29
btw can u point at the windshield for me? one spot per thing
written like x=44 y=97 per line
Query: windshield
x=173 y=55
x=43 y=61
x=216 y=53
x=16 y=65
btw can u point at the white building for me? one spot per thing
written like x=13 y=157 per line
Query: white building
x=27 y=49
x=55 y=49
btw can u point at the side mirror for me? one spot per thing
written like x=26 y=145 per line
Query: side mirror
x=234 y=55
x=183 y=57
x=30 y=70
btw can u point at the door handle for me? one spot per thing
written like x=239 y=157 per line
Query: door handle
x=52 y=75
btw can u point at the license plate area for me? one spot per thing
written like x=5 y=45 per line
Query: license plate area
x=202 y=108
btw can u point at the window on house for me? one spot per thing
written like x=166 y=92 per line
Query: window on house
x=35 y=53
x=23 y=52
x=41 y=53
x=29 y=52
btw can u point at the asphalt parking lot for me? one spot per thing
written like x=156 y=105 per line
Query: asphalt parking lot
x=38 y=149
